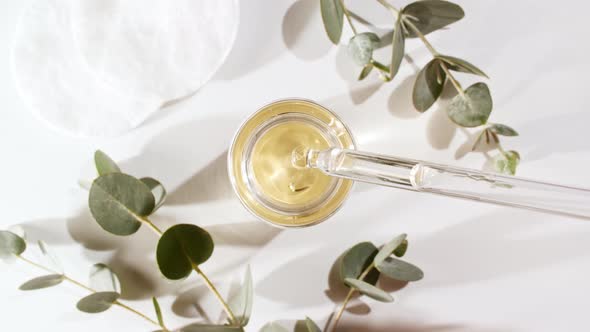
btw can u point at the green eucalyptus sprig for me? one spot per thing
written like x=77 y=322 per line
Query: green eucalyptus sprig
x=121 y=204
x=471 y=108
x=360 y=268
x=104 y=285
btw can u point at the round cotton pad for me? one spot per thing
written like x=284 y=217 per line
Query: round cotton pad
x=159 y=47
x=66 y=89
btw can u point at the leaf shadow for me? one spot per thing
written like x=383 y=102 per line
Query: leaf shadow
x=256 y=45
x=397 y=326
x=400 y=102
x=440 y=130
x=301 y=25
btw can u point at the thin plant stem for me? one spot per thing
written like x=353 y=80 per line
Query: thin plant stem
x=152 y=226
x=213 y=289
x=349 y=297
x=208 y=282
x=81 y=285
x=408 y=23
x=348 y=18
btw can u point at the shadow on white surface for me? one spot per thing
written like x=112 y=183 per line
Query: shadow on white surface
x=258 y=43
x=496 y=245
x=357 y=326
x=302 y=27
x=400 y=102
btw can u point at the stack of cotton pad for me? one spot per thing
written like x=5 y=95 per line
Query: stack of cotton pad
x=101 y=67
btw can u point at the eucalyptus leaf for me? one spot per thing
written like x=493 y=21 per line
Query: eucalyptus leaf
x=49 y=257
x=241 y=304
x=507 y=162
x=104 y=164
x=361 y=46
x=399 y=270
x=158 y=311
x=503 y=130
x=311 y=325
x=180 y=248
x=428 y=86
x=98 y=302
x=461 y=65
x=398 y=47
x=273 y=327
x=356 y=259
x=432 y=15
x=400 y=251
x=473 y=108
x=118 y=202
x=333 y=18
x=365 y=72
x=158 y=191
x=211 y=328
x=11 y=245
x=103 y=279
x=42 y=282
x=369 y=290
x=388 y=249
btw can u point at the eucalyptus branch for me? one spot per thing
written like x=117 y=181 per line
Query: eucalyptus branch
x=181 y=248
x=348 y=18
x=213 y=289
x=81 y=285
x=471 y=108
x=349 y=297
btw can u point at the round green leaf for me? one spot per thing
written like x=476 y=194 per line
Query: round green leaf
x=104 y=164
x=474 y=108
x=361 y=46
x=11 y=245
x=399 y=270
x=42 y=282
x=333 y=18
x=158 y=191
x=506 y=163
x=211 y=328
x=356 y=259
x=119 y=201
x=97 y=302
x=180 y=248
x=388 y=249
x=241 y=304
x=400 y=251
x=369 y=290
x=398 y=47
x=103 y=279
x=428 y=86
x=273 y=327
x=461 y=65
x=503 y=130
x=431 y=15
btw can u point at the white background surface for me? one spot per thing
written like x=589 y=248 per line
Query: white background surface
x=487 y=268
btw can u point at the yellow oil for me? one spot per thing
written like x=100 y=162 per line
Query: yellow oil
x=274 y=171
x=264 y=175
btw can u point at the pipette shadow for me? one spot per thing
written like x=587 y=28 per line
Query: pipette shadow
x=494 y=245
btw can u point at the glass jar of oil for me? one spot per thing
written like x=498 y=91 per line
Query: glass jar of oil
x=261 y=168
